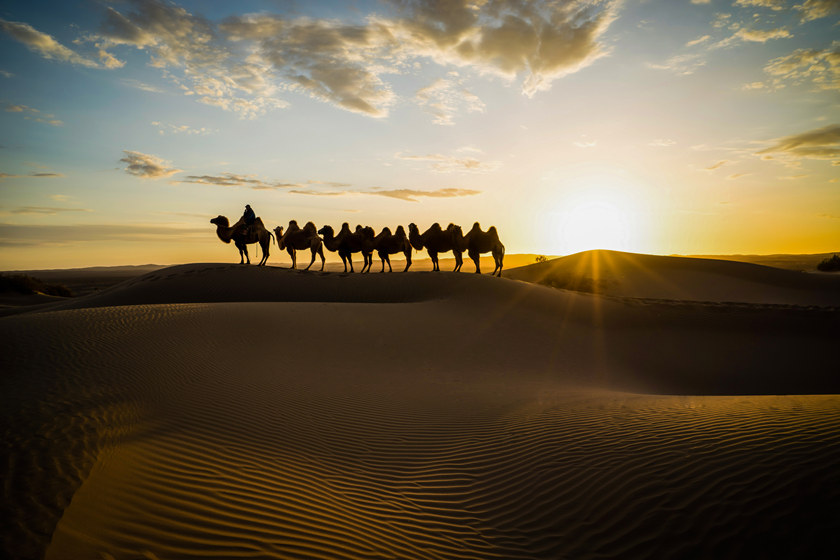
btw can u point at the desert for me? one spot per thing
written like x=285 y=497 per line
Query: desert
x=230 y=411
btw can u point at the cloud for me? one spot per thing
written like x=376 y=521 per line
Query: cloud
x=735 y=176
x=33 y=114
x=240 y=180
x=816 y=9
x=147 y=166
x=166 y=128
x=445 y=97
x=408 y=195
x=141 y=85
x=452 y=164
x=820 y=144
x=775 y=5
x=681 y=64
x=39 y=175
x=235 y=180
x=662 y=142
x=243 y=63
x=762 y=36
x=717 y=165
x=48 y=210
x=585 y=143
x=819 y=67
x=43 y=44
x=754 y=85
x=698 y=40
x=18 y=235
x=411 y=195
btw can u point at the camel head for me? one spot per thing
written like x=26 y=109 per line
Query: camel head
x=220 y=221
x=278 y=234
x=326 y=231
x=414 y=236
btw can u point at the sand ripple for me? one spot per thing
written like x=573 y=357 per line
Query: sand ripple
x=318 y=430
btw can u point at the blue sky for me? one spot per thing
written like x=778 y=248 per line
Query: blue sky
x=660 y=126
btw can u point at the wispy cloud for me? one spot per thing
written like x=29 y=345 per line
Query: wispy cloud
x=30 y=113
x=40 y=175
x=717 y=165
x=662 y=142
x=166 y=128
x=48 y=210
x=408 y=195
x=147 y=166
x=43 y=44
x=771 y=4
x=411 y=195
x=820 y=144
x=27 y=235
x=818 y=67
x=444 y=98
x=460 y=163
x=816 y=9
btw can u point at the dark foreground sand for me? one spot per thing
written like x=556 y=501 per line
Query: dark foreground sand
x=213 y=410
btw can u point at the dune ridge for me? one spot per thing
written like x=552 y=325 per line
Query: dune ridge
x=414 y=416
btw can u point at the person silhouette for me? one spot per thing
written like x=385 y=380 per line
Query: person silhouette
x=248 y=217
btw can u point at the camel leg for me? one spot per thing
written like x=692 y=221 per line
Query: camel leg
x=321 y=253
x=434 y=258
x=458 y=261
x=243 y=254
x=312 y=260
x=387 y=260
x=264 y=245
x=407 y=259
x=475 y=258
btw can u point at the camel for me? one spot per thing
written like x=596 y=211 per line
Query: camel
x=436 y=240
x=388 y=244
x=256 y=234
x=347 y=242
x=296 y=238
x=366 y=238
x=485 y=242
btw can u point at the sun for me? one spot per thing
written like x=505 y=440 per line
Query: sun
x=596 y=220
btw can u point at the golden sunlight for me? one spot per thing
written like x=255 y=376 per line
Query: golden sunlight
x=597 y=220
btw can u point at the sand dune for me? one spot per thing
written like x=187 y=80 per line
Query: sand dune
x=226 y=411
x=682 y=278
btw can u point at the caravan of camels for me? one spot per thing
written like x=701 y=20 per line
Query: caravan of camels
x=364 y=240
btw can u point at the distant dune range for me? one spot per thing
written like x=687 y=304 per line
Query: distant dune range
x=650 y=407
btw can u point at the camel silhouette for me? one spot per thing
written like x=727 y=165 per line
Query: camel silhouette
x=347 y=242
x=297 y=239
x=391 y=244
x=256 y=234
x=485 y=242
x=436 y=240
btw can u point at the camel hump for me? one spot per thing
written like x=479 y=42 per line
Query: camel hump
x=310 y=227
x=386 y=231
x=400 y=230
x=293 y=224
x=492 y=231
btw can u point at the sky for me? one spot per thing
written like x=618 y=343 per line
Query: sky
x=664 y=127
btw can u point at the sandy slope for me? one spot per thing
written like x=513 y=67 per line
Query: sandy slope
x=682 y=278
x=216 y=410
